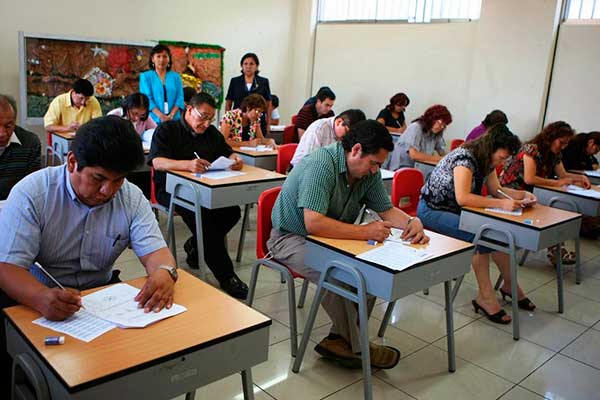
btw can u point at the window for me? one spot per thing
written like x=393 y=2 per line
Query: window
x=398 y=10
x=583 y=9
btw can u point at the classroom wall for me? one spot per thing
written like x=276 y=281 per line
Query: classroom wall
x=575 y=89
x=499 y=61
x=264 y=27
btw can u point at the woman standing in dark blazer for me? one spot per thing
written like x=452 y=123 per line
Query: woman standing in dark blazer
x=249 y=83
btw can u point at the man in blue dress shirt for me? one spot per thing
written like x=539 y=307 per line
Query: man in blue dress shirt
x=75 y=220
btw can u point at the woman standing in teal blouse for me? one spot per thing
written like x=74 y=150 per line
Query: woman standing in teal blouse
x=162 y=86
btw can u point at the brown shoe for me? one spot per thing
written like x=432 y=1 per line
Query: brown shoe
x=383 y=357
x=340 y=352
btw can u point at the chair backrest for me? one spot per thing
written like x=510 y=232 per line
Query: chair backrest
x=266 y=201
x=294 y=119
x=152 y=187
x=455 y=143
x=289 y=134
x=407 y=183
x=284 y=156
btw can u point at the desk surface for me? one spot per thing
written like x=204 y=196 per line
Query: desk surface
x=252 y=153
x=541 y=217
x=252 y=174
x=212 y=317
x=560 y=189
x=65 y=135
x=438 y=246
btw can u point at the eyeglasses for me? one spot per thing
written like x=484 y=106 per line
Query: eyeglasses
x=203 y=117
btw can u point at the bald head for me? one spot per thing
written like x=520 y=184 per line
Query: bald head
x=8 y=104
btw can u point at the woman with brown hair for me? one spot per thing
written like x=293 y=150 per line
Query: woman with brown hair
x=579 y=153
x=241 y=126
x=392 y=116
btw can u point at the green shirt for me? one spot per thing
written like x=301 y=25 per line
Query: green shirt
x=319 y=183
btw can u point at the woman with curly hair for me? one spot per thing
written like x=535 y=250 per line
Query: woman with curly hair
x=422 y=137
x=392 y=116
x=538 y=162
x=241 y=126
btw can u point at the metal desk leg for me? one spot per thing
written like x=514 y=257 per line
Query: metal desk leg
x=238 y=258
x=450 y=327
x=171 y=229
x=190 y=395
x=386 y=318
x=578 y=271
x=514 y=290
x=523 y=257
x=359 y=297
x=559 y=279
x=247 y=386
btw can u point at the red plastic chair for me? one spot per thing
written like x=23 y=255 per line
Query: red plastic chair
x=294 y=119
x=266 y=201
x=289 y=134
x=153 y=202
x=456 y=143
x=407 y=183
x=284 y=156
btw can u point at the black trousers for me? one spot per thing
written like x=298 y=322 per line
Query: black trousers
x=5 y=359
x=215 y=225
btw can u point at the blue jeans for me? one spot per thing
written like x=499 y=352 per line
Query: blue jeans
x=446 y=223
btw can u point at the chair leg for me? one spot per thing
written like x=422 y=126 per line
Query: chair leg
x=292 y=313
x=282 y=278
x=578 y=272
x=523 y=257
x=498 y=283
x=303 y=293
x=386 y=318
x=252 y=284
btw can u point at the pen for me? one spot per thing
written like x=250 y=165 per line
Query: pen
x=37 y=264
x=505 y=195
x=116 y=240
x=197 y=156
x=373 y=215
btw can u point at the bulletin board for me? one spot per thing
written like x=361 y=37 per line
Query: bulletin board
x=50 y=64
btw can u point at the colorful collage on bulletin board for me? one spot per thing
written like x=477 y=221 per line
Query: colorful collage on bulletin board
x=52 y=65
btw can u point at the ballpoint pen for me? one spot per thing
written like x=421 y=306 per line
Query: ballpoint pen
x=373 y=215
x=57 y=283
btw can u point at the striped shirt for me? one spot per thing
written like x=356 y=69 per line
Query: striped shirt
x=20 y=158
x=320 y=183
x=319 y=134
x=44 y=221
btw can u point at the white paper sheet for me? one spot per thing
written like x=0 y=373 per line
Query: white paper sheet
x=503 y=211
x=221 y=163
x=116 y=304
x=395 y=255
x=386 y=174
x=593 y=173
x=81 y=325
x=220 y=174
x=260 y=147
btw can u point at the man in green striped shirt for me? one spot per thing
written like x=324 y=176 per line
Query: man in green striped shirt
x=323 y=196
x=20 y=150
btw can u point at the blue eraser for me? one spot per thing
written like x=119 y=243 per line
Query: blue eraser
x=372 y=242
x=528 y=222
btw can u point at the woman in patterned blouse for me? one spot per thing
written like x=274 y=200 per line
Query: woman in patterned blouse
x=241 y=126
x=456 y=182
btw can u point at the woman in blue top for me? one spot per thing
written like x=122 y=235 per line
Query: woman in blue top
x=162 y=86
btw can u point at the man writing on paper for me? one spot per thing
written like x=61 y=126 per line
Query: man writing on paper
x=75 y=220
x=68 y=111
x=322 y=196
x=191 y=144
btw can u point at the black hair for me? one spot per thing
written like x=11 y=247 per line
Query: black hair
x=84 y=87
x=325 y=93
x=252 y=56
x=274 y=101
x=400 y=99
x=203 y=98
x=188 y=93
x=160 y=48
x=371 y=135
x=495 y=117
x=351 y=117
x=496 y=137
x=109 y=142
x=136 y=100
x=6 y=100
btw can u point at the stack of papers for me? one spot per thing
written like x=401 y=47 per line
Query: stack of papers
x=219 y=174
x=582 y=192
x=107 y=309
x=395 y=255
x=221 y=163
x=593 y=173
x=261 y=147
x=503 y=211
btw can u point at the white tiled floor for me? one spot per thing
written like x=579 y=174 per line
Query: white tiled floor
x=558 y=356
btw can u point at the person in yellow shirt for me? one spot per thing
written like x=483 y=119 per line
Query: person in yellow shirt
x=70 y=110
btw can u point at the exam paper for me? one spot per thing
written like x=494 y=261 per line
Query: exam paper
x=221 y=163
x=386 y=174
x=395 y=255
x=582 y=192
x=503 y=211
x=219 y=174
x=116 y=304
x=260 y=147
x=82 y=325
x=593 y=173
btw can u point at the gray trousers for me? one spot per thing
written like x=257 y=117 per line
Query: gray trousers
x=289 y=249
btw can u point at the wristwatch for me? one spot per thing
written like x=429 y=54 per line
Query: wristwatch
x=171 y=270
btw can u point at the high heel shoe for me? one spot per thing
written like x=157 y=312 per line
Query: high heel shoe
x=524 y=303
x=496 y=318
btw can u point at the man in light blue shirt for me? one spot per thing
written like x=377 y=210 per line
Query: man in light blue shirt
x=75 y=220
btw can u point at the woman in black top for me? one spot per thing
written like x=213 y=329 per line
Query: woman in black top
x=579 y=153
x=249 y=83
x=392 y=116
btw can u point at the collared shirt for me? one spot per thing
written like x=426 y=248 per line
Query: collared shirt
x=177 y=141
x=319 y=134
x=414 y=136
x=308 y=114
x=61 y=111
x=18 y=159
x=320 y=183
x=44 y=221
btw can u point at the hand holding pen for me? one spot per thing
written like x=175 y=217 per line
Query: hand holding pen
x=510 y=204
x=58 y=303
x=198 y=164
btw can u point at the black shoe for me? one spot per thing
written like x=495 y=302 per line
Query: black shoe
x=192 y=253
x=235 y=287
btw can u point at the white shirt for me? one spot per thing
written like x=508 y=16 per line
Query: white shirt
x=318 y=134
